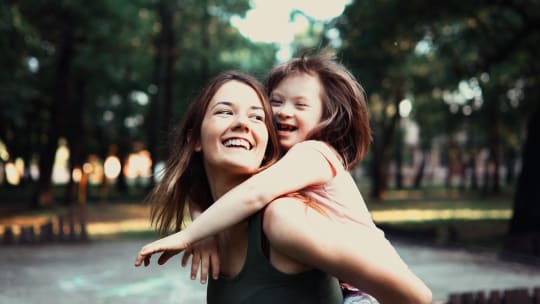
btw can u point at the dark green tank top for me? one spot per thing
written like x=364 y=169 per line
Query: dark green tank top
x=260 y=283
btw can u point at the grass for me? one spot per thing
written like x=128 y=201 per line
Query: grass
x=453 y=217
x=459 y=218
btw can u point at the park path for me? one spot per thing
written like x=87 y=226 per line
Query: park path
x=103 y=272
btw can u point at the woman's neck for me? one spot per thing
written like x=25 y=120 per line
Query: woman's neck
x=220 y=182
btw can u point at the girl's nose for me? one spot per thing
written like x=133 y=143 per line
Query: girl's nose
x=285 y=110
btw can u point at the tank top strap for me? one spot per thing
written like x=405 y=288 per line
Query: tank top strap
x=254 y=249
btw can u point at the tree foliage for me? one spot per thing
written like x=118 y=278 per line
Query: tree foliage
x=103 y=74
x=467 y=66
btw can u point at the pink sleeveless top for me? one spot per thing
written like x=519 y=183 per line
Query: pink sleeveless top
x=339 y=197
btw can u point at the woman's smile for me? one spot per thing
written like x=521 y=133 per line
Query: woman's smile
x=238 y=143
x=234 y=132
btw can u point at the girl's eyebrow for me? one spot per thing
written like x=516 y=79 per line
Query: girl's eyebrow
x=295 y=97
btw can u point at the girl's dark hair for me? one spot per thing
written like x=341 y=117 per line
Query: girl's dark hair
x=184 y=179
x=345 y=120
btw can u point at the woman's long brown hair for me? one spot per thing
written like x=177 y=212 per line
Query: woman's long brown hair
x=184 y=179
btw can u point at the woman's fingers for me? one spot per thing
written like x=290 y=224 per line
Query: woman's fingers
x=185 y=257
x=195 y=262
x=214 y=260
x=205 y=263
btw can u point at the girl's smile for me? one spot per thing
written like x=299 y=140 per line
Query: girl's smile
x=297 y=106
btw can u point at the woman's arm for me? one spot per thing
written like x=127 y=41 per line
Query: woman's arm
x=203 y=253
x=359 y=256
x=300 y=167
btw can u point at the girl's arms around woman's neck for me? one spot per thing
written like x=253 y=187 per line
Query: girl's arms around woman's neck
x=298 y=168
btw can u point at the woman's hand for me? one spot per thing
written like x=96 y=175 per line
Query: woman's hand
x=205 y=254
x=170 y=246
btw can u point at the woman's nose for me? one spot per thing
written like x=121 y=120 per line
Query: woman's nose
x=241 y=122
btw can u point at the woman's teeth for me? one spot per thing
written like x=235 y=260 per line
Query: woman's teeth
x=237 y=143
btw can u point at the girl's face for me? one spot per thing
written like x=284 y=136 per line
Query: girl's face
x=297 y=107
x=233 y=132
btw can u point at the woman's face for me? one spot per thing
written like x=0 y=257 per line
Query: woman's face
x=297 y=107
x=233 y=132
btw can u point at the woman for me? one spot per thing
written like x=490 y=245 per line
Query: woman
x=225 y=136
x=359 y=254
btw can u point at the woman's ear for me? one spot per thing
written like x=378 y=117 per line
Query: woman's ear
x=197 y=147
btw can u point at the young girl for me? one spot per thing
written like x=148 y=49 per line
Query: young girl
x=322 y=121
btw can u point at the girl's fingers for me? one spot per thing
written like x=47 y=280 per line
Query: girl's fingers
x=146 y=260
x=164 y=257
x=142 y=259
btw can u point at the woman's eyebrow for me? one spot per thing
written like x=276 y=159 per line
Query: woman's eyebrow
x=227 y=103
x=230 y=104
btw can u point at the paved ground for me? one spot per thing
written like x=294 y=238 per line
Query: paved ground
x=103 y=272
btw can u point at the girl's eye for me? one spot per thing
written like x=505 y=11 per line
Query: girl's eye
x=275 y=102
x=301 y=104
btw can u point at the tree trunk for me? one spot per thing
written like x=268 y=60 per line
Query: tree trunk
x=154 y=112
x=379 y=167
x=161 y=109
x=75 y=139
x=399 y=164
x=44 y=192
x=510 y=161
x=473 y=172
x=205 y=28
x=417 y=184
x=169 y=52
x=524 y=234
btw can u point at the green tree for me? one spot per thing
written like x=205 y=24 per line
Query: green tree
x=108 y=75
x=488 y=43
x=377 y=40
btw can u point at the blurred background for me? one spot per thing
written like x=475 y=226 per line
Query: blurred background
x=90 y=92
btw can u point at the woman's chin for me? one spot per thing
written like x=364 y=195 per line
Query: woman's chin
x=240 y=165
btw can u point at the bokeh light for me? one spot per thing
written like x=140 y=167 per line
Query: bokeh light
x=112 y=167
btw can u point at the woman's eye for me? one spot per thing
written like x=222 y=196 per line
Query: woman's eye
x=258 y=117
x=224 y=112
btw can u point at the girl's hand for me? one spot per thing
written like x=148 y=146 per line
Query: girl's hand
x=205 y=254
x=170 y=246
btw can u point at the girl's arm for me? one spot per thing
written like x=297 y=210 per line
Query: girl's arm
x=359 y=256
x=300 y=167
x=204 y=253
